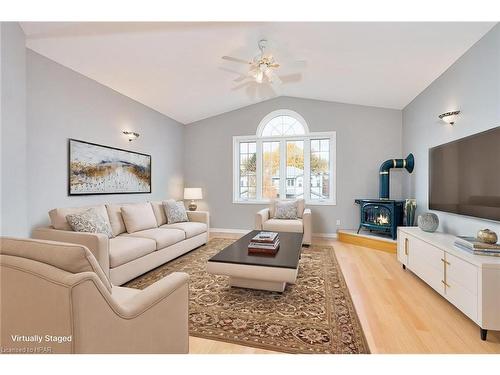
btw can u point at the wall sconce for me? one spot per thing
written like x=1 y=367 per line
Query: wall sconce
x=131 y=135
x=449 y=117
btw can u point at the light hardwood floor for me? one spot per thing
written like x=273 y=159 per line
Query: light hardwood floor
x=398 y=311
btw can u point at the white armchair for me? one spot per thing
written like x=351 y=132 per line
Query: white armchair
x=264 y=220
x=59 y=290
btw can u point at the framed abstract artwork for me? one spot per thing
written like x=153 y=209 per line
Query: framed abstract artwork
x=98 y=169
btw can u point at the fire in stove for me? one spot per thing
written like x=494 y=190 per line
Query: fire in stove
x=382 y=219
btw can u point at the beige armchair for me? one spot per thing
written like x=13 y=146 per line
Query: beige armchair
x=57 y=299
x=264 y=220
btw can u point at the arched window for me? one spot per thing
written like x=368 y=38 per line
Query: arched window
x=282 y=123
x=284 y=160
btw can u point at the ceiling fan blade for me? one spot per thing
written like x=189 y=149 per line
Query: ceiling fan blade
x=235 y=59
x=241 y=78
x=298 y=64
x=272 y=77
x=240 y=86
x=289 y=78
x=275 y=65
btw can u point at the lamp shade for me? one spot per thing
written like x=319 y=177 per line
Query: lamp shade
x=192 y=193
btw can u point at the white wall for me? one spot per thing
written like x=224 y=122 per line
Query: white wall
x=471 y=85
x=13 y=137
x=63 y=104
x=366 y=136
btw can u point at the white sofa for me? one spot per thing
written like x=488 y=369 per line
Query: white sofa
x=58 y=289
x=264 y=220
x=131 y=252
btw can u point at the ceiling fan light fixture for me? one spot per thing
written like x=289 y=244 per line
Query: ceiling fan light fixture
x=259 y=76
x=269 y=74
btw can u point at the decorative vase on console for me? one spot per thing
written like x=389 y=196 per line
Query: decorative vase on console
x=487 y=236
x=428 y=222
x=409 y=212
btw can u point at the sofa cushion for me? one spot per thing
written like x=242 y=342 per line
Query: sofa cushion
x=163 y=237
x=90 y=221
x=301 y=205
x=123 y=249
x=58 y=215
x=159 y=211
x=191 y=228
x=65 y=256
x=278 y=225
x=115 y=218
x=138 y=217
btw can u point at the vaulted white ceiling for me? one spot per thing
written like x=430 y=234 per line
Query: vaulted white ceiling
x=176 y=68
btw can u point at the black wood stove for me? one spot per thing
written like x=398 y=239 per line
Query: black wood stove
x=381 y=215
x=384 y=214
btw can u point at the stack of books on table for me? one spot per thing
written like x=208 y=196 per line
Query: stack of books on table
x=472 y=245
x=266 y=243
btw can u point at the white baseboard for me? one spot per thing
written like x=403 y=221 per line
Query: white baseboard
x=245 y=231
x=325 y=235
x=228 y=230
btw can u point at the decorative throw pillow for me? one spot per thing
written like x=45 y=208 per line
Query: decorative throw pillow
x=89 y=221
x=176 y=212
x=286 y=210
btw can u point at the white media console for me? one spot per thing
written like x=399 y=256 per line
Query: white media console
x=470 y=282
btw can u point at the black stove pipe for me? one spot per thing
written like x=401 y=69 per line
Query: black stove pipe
x=385 y=168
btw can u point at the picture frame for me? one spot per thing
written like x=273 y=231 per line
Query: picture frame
x=95 y=169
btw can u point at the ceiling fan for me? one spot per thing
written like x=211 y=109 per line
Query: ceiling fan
x=262 y=68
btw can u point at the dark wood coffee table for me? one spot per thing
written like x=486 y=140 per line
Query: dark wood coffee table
x=259 y=271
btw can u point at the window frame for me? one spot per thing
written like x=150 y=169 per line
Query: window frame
x=307 y=137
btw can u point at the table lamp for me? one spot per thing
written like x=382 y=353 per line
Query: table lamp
x=192 y=194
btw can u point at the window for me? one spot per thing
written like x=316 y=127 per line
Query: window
x=284 y=160
x=294 y=168
x=320 y=168
x=282 y=125
x=270 y=170
x=248 y=170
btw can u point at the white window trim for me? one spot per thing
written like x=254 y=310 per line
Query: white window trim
x=306 y=138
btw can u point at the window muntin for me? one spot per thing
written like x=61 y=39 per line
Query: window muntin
x=281 y=126
x=248 y=170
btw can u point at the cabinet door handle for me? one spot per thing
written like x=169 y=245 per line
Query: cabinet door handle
x=446 y=284
x=406 y=246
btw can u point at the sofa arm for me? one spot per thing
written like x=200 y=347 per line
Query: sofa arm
x=153 y=294
x=97 y=243
x=261 y=217
x=154 y=320
x=199 y=216
x=307 y=222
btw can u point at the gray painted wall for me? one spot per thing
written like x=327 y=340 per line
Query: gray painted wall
x=366 y=136
x=472 y=85
x=13 y=139
x=63 y=104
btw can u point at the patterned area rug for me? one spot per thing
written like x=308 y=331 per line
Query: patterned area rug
x=316 y=315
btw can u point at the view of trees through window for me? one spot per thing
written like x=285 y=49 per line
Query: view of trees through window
x=294 y=169
x=320 y=167
x=271 y=170
x=248 y=170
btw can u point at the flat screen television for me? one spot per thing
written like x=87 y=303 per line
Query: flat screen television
x=464 y=176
